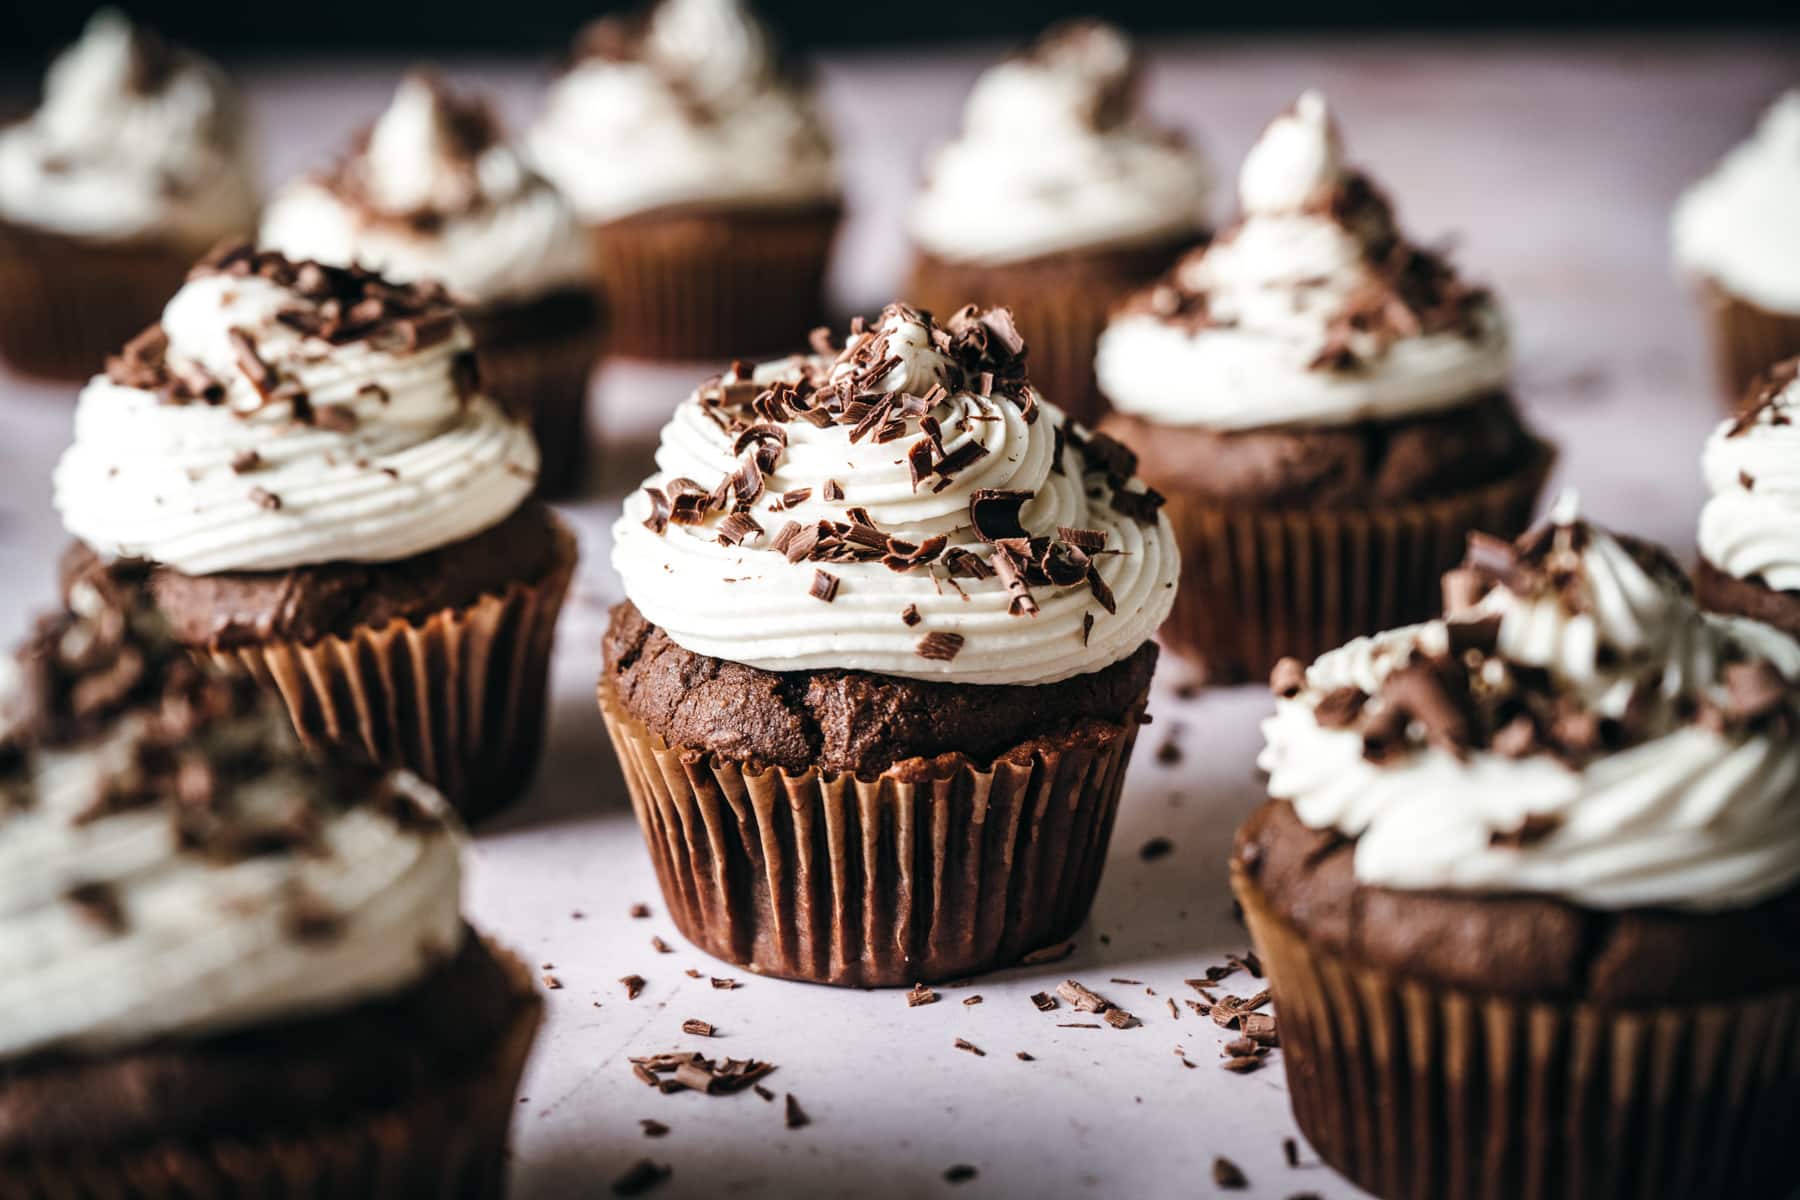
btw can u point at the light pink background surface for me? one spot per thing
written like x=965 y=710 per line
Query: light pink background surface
x=1554 y=165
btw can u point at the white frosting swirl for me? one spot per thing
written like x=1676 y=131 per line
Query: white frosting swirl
x=421 y=468
x=751 y=605
x=1053 y=157
x=1268 y=299
x=419 y=202
x=697 y=114
x=1687 y=818
x=1750 y=528
x=206 y=943
x=1737 y=225
x=133 y=140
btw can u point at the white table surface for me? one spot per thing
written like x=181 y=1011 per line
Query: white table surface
x=1555 y=164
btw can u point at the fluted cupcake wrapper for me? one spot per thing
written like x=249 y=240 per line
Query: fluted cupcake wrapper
x=1746 y=340
x=66 y=304
x=448 y=1141
x=928 y=871
x=458 y=698
x=715 y=284
x=1258 y=584
x=543 y=378
x=1421 y=1092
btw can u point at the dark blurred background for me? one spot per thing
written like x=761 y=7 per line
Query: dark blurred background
x=542 y=27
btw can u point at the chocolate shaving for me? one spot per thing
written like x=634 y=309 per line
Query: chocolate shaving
x=824 y=586
x=940 y=647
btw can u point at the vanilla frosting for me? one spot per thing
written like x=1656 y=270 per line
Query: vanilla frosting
x=684 y=106
x=946 y=607
x=133 y=140
x=1310 y=311
x=172 y=865
x=434 y=192
x=1736 y=226
x=1750 y=527
x=1658 y=767
x=1055 y=156
x=355 y=445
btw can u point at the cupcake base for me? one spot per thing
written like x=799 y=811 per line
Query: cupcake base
x=1746 y=340
x=700 y=283
x=1412 y=1089
x=1060 y=301
x=1722 y=593
x=449 y=1139
x=536 y=359
x=1261 y=584
x=65 y=304
x=933 y=869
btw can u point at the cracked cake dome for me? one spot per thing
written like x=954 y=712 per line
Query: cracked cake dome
x=432 y=190
x=889 y=618
x=304 y=462
x=1326 y=405
x=1750 y=527
x=1737 y=244
x=1059 y=197
x=697 y=159
x=1566 y=815
x=138 y=159
x=191 y=906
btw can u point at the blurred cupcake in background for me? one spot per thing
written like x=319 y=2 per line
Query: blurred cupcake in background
x=1326 y=406
x=1059 y=198
x=1750 y=528
x=302 y=460
x=1738 y=241
x=137 y=161
x=208 y=943
x=704 y=175
x=433 y=191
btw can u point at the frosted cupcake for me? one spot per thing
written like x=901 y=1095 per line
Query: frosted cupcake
x=208 y=945
x=1750 y=528
x=1059 y=197
x=884 y=655
x=704 y=175
x=1326 y=406
x=303 y=458
x=1737 y=241
x=1527 y=888
x=432 y=191
x=137 y=161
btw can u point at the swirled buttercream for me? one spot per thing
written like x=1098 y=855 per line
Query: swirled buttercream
x=1580 y=731
x=134 y=140
x=286 y=414
x=906 y=505
x=1750 y=528
x=1311 y=310
x=172 y=865
x=1736 y=226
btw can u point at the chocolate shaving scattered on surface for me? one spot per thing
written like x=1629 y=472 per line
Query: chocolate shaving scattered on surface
x=959 y=1173
x=920 y=994
x=795 y=1116
x=1155 y=848
x=970 y=1047
x=634 y=986
x=697 y=1027
x=1227 y=1175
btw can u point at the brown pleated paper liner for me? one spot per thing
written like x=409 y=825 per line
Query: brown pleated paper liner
x=536 y=360
x=448 y=1141
x=715 y=284
x=1421 y=1092
x=1746 y=340
x=932 y=870
x=66 y=304
x=1258 y=584
x=458 y=698
x=1060 y=302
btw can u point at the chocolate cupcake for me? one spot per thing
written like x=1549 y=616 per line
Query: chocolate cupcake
x=303 y=459
x=1059 y=198
x=1527 y=888
x=137 y=161
x=703 y=174
x=1326 y=406
x=208 y=944
x=1738 y=243
x=1750 y=527
x=884 y=654
x=432 y=191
